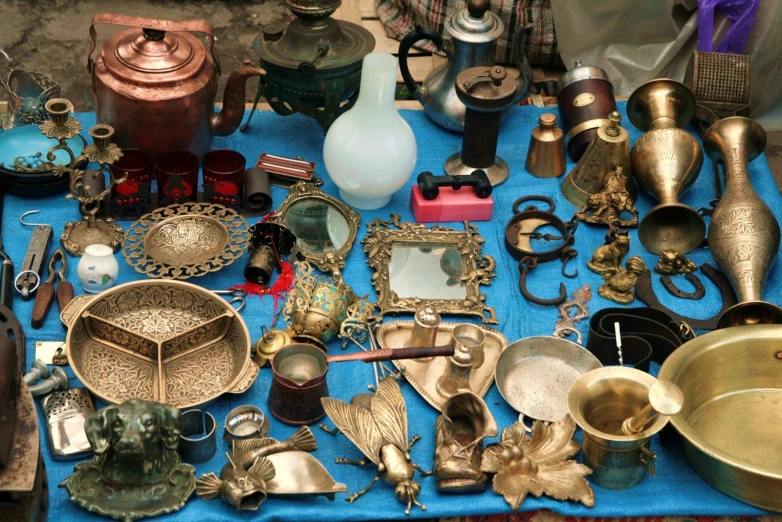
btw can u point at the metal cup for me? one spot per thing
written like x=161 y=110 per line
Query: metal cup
x=472 y=337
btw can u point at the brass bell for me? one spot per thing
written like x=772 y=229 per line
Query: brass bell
x=608 y=150
x=546 y=155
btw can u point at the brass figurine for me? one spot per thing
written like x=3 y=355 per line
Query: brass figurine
x=459 y=432
x=136 y=471
x=666 y=161
x=619 y=286
x=608 y=150
x=244 y=481
x=91 y=230
x=607 y=206
x=674 y=263
x=541 y=464
x=377 y=425
x=607 y=259
x=744 y=233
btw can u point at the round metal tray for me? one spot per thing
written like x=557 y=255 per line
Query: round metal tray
x=186 y=240
x=165 y=341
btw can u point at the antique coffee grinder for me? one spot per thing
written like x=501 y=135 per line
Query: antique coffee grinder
x=314 y=65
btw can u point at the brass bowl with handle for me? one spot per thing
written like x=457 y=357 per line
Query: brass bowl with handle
x=732 y=415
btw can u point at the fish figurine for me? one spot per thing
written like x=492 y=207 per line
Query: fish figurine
x=242 y=482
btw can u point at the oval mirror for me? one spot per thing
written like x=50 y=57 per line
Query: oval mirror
x=325 y=228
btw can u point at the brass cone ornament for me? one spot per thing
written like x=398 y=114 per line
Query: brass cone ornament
x=743 y=234
x=608 y=150
x=666 y=160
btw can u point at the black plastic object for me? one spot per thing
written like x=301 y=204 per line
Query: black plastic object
x=430 y=184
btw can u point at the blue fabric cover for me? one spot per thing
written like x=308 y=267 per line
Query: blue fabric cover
x=676 y=490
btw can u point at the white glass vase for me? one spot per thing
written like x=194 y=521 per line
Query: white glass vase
x=370 y=151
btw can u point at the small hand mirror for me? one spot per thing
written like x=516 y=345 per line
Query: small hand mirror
x=325 y=228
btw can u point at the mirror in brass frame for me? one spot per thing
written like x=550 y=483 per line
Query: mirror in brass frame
x=439 y=267
x=666 y=160
x=186 y=240
x=744 y=233
x=325 y=228
x=164 y=341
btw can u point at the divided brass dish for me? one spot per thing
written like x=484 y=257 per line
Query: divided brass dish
x=186 y=240
x=732 y=418
x=164 y=341
x=423 y=373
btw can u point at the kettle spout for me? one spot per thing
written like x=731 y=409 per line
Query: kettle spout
x=524 y=81
x=227 y=120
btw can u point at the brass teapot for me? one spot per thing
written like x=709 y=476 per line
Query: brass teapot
x=156 y=85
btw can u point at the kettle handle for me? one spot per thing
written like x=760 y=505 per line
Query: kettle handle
x=407 y=42
x=185 y=26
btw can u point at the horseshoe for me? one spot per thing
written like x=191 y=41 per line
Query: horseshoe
x=675 y=291
x=526 y=265
x=645 y=292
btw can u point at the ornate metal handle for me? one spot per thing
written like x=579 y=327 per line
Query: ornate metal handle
x=185 y=26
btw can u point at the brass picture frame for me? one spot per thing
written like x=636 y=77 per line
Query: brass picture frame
x=477 y=269
x=329 y=261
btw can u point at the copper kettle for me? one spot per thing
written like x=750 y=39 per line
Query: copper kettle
x=156 y=84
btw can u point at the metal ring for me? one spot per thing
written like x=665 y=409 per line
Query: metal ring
x=37 y=281
x=203 y=446
x=584 y=126
x=245 y=422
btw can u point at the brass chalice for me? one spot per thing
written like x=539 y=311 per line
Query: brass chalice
x=665 y=161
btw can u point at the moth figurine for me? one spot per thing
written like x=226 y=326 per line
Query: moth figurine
x=377 y=425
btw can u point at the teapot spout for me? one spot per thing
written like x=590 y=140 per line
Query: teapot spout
x=524 y=81
x=227 y=120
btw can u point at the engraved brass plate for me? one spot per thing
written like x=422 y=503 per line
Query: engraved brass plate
x=583 y=99
x=164 y=341
x=187 y=240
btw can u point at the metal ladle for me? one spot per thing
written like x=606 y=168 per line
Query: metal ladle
x=665 y=398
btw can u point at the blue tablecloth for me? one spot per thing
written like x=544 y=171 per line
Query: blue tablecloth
x=676 y=490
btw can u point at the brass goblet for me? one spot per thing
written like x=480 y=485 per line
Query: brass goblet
x=666 y=160
x=743 y=234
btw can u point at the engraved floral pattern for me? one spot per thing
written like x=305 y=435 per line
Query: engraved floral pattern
x=202 y=248
x=121 y=375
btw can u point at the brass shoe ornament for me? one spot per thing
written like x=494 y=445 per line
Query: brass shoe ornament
x=459 y=434
x=666 y=160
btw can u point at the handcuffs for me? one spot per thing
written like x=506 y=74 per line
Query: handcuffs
x=521 y=228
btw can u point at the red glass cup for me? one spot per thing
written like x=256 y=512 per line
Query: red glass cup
x=177 y=175
x=224 y=169
x=137 y=165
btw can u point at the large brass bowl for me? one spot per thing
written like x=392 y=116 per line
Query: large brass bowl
x=731 y=421
x=166 y=341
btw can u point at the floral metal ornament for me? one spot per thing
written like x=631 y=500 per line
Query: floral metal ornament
x=476 y=269
x=186 y=240
x=540 y=464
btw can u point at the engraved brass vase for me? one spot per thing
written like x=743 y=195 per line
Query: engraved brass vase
x=743 y=234
x=666 y=160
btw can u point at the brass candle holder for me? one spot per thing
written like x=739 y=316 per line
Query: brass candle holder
x=666 y=160
x=91 y=230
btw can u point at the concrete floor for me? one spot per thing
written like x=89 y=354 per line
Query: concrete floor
x=52 y=36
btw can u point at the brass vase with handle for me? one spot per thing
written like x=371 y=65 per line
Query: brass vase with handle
x=743 y=234
x=666 y=160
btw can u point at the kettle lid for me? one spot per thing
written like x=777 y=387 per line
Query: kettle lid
x=150 y=55
x=475 y=23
